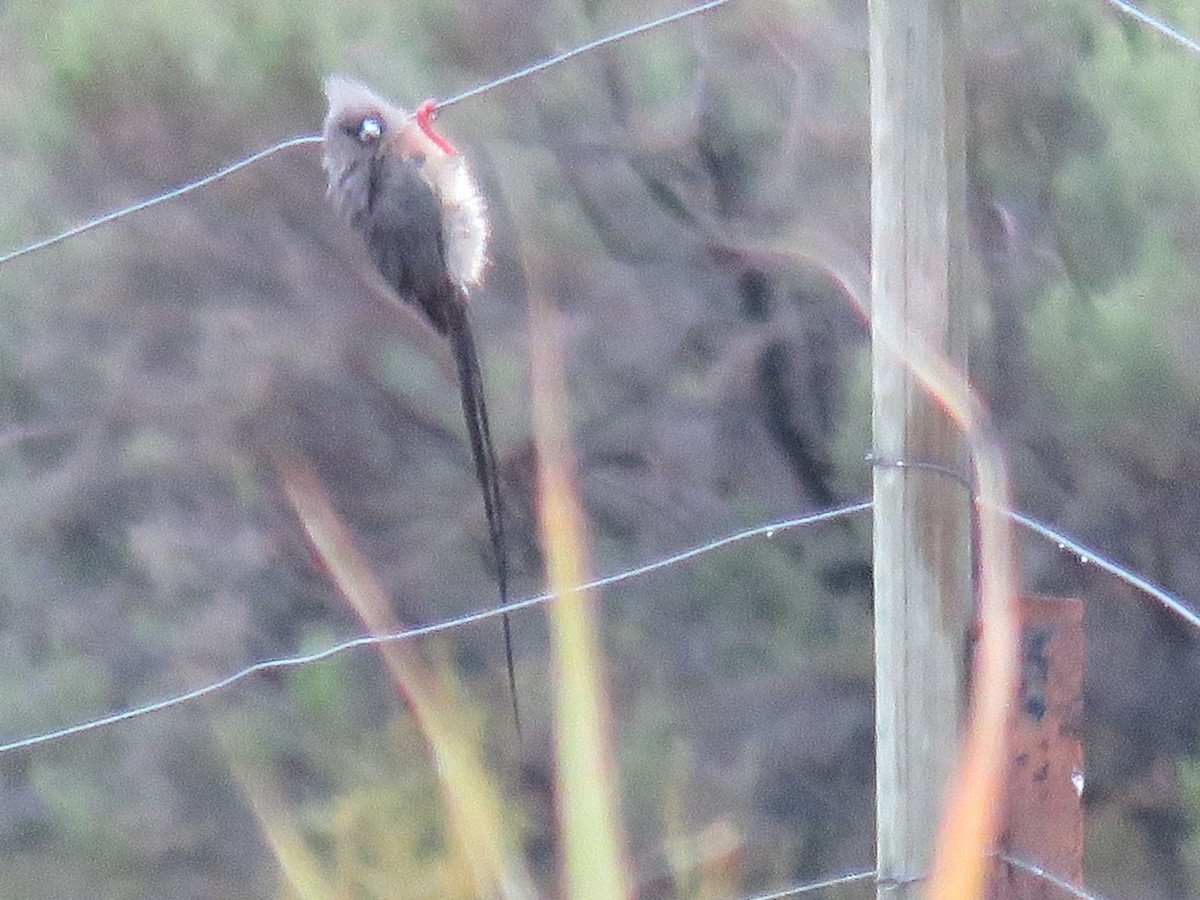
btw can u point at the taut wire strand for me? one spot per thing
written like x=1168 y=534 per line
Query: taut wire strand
x=812 y=886
x=172 y=194
x=582 y=48
x=1039 y=872
x=301 y=140
x=459 y=621
x=1022 y=864
x=1084 y=553
x=1090 y=557
x=1169 y=31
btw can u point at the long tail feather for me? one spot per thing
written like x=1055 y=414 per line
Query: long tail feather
x=470 y=381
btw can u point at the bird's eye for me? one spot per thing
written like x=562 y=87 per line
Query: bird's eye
x=369 y=130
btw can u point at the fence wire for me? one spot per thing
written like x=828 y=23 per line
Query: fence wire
x=769 y=530
x=1025 y=865
x=809 y=887
x=1084 y=554
x=1058 y=881
x=290 y=662
x=1162 y=27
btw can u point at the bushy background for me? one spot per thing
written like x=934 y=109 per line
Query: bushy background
x=675 y=198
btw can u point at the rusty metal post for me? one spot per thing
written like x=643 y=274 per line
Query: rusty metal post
x=1043 y=822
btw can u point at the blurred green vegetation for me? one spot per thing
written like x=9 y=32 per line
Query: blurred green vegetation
x=151 y=371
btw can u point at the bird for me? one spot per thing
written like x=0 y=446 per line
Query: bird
x=407 y=190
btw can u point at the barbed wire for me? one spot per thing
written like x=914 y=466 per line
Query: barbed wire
x=1157 y=24
x=289 y=662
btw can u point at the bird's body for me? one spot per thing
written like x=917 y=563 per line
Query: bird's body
x=424 y=222
x=415 y=203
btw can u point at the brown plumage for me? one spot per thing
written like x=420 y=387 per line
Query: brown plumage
x=423 y=219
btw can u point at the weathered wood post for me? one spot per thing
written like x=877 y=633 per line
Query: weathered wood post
x=922 y=555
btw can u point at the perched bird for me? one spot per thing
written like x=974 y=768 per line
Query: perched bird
x=410 y=194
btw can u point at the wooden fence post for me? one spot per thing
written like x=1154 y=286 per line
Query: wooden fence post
x=922 y=558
